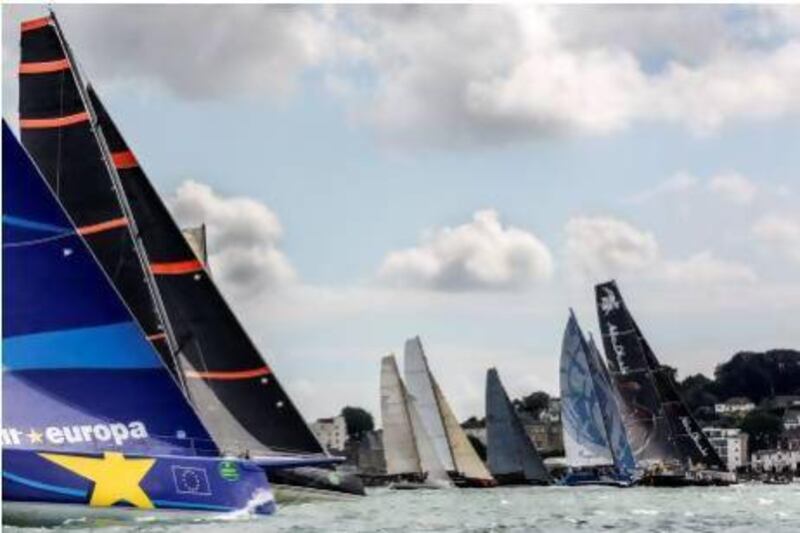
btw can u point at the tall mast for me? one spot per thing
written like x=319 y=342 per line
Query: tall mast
x=141 y=253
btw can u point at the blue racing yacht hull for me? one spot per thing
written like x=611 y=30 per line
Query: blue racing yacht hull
x=113 y=484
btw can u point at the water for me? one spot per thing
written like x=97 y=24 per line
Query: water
x=743 y=508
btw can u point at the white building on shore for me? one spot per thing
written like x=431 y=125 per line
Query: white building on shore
x=735 y=406
x=331 y=432
x=730 y=444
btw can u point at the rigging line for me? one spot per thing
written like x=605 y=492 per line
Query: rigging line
x=34 y=242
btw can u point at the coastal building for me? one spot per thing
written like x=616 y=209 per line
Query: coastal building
x=731 y=444
x=791 y=418
x=737 y=406
x=777 y=461
x=368 y=453
x=331 y=432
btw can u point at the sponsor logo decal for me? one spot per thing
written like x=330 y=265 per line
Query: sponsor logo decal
x=191 y=480
x=609 y=302
x=228 y=470
x=117 y=432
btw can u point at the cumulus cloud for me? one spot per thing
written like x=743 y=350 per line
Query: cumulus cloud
x=449 y=75
x=605 y=247
x=488 y=74
x=734 y=188
x=479 y=255
x=780 y=232
x=243 y=237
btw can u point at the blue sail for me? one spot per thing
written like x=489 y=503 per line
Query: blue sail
x=92 y=418
x=595 y=440
x=77 y=369
x=609 y=406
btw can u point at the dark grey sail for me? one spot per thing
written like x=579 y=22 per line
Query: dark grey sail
x=512 y=457
x=648 y=429
x=685 y=438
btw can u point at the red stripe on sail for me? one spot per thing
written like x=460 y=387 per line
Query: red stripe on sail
x=34 y=24
x=40 y=123
x=229 y=375
x=176 y=267
x=156 y=336
x=124 y=159
x=103 y=226
x=44 y=67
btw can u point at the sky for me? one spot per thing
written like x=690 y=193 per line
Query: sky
x=466 y=174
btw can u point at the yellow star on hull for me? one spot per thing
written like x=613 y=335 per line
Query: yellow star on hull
x=115 y=478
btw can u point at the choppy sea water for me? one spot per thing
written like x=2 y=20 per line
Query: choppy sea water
x=742 y=508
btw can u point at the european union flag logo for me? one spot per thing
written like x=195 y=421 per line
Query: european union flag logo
x=191 y=480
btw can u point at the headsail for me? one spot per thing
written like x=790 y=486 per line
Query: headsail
x=612 y=413
x=586 y=440
x=466 y=458
x=245 y=407
x=76 y=366
x=688 y=434
x=420 y=386
x=509 y=450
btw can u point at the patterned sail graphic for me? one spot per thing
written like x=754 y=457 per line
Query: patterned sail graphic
x=585 y=439
x=511 y=454
x=612 y=414
x=78 y=374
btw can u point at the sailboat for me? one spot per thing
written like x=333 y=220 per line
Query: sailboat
x=667 y=441
x=512 y=456
x=450 y=442
x=103 y=187
x=411 y=461
x=93 y=424
x=595 y=442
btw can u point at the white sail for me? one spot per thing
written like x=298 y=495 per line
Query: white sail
x=585 y=438
x=435 y=473
x=466 y=458
x=196 y=237
x=420 y=386
x=398 y=431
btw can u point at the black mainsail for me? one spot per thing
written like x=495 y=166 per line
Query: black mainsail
x=56 y=129
x=511 y=456
x=75 y=143
x=660 y=427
